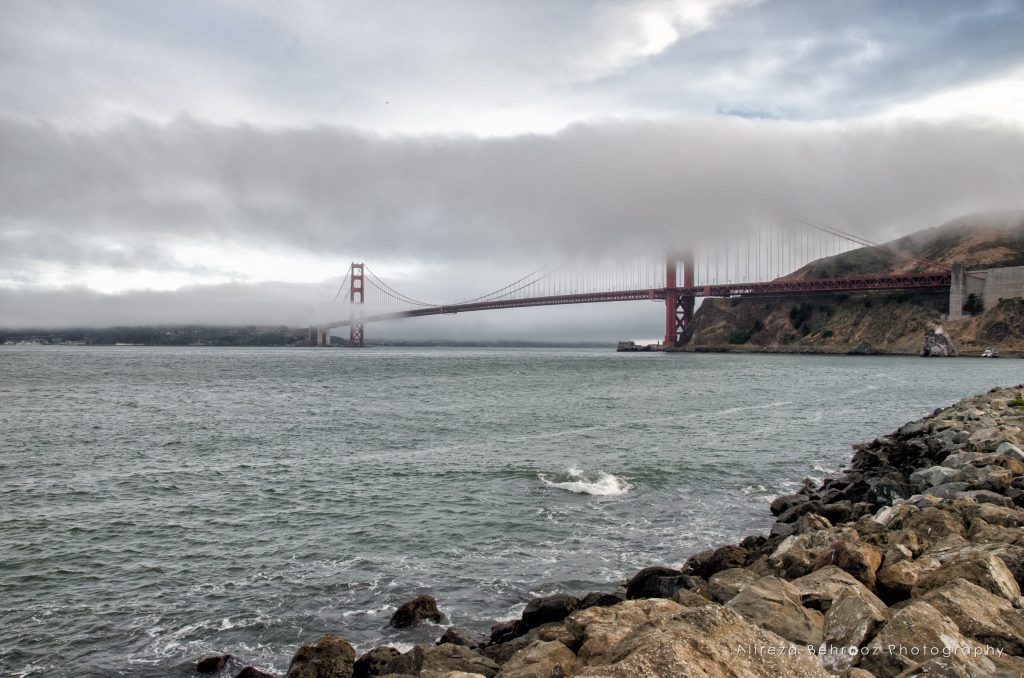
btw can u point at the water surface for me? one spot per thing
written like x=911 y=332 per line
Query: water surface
x=159 y=504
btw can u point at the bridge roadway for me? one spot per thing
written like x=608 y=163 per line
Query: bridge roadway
x=782 y=287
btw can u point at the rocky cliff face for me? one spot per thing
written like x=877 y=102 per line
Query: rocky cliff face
x=886 y=322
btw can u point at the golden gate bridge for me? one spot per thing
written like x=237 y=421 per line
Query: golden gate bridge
x=766 y=262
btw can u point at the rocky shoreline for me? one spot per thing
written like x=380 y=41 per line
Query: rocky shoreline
x=908 y=564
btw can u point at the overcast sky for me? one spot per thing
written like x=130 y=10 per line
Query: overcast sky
x=224 y=161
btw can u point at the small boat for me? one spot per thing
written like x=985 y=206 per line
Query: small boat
x=990 y=352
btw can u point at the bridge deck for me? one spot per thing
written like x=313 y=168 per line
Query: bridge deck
x=771 y=288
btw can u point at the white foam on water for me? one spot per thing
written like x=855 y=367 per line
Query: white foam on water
x=368 y=611
x=605 y=485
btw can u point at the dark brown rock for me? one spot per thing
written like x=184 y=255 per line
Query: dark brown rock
x=253 y=672
x=374 y=663
x=662 y=582
x=707 y=563
x=416 y=610
x=785 y=502
x=549 y=609
x=458 y=636
x=502 y=652
x=600 y=599
x=212 y=664
x=330 y=657
x=506 y=631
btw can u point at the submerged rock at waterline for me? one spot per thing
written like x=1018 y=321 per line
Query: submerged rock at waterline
x=420 y=608
x=212 y=664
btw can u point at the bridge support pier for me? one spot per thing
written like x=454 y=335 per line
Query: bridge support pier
x=323 y=337
x=357 y=295
x=679 y=302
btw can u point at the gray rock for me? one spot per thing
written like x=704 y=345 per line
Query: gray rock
x=932 y=476
x=1010 y=450
x=947 y=490
x=986 y=497
x=466 y=638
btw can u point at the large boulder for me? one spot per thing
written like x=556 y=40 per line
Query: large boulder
x=709 y=641
x=853 y=619
x=549 y=609
x=561 y=633
x=937 y=344
x=601 y=629
x=980 y=615
x=775 y=605
x=540 y=660
x=819 y=589
x=896 y=582
x=985 y=569
x=502 y=632
x=801 y=554
x=420 y=608
x=464 y=637
x=446 y=657
x=330 y=657
x=860 y=559
x=727 y=584
x=919 y=633
x=924 y=478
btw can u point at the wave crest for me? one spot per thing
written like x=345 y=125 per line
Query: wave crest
x=604 y=485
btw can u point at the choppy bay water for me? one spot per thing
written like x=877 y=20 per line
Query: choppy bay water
x=157 y=505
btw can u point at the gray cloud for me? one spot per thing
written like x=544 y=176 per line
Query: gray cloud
x=822 y=60
x=593 y=189
x=489 y=66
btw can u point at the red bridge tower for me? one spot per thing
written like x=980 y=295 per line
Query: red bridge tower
x=678 y=305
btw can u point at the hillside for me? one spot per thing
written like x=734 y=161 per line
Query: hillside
x=889 y=322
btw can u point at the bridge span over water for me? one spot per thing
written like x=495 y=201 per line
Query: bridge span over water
x=724 y=270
